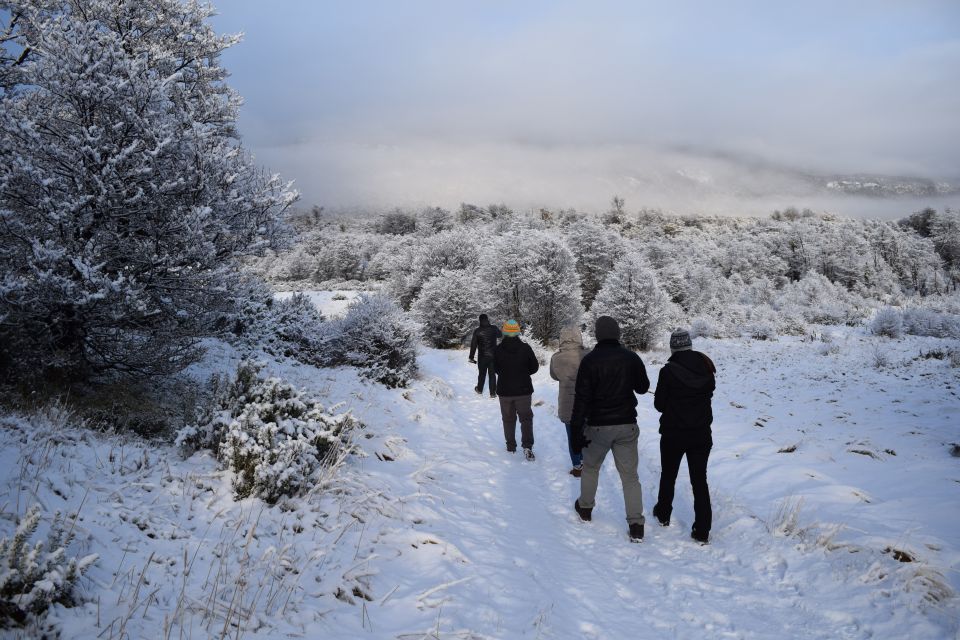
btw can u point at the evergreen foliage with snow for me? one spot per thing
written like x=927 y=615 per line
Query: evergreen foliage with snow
x=378 y=338
x=271 y=435
x=125 y=197
x=632 y=296
x=34 y=576
x=530 y=276
x=447 y=308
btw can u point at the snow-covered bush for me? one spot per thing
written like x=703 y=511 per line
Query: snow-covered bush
x=887 y=322
x=291 y=327
x=447 y=308
x=703 y=328
x=925 y=322
x=32 y=577
x=445 y=251
x=127 y=199
x=397 y=223
x=272 y=436
x=531 y=276
x=596 y=250
x=632 y=296
x=377 y=337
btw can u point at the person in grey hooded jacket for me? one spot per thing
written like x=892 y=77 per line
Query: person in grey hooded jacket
x=563 y=368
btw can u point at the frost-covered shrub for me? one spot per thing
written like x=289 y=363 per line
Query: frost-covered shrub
x=887 y=322
x=447 y=308
x=377 y=337
x=32 y=577
x=631 y=295
x=703 y=328
x=925 y=322
x=596 y=250
x=531 y=276
x=271 y=435
x=292 y=327
x=445 y=251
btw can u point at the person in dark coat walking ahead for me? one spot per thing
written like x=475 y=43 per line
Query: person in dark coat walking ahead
x=515 y=362
x=684 y=390
x=563 y=368
x=605 y=419
x=483 y=344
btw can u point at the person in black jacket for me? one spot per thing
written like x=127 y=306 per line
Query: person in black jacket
x=605 y=418
x=684 y=390
x=482 y=345
x=515 y=363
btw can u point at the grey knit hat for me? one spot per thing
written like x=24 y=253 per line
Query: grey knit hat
x=606 y=328
x=680 y=341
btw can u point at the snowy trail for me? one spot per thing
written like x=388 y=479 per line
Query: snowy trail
x=513 y=560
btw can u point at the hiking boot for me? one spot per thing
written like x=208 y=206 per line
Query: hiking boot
x=661 y=518
x=577 y=471
x=493 y=394
x=585 y=514
x=700 y=536
x=636 y=532
x=528 y=454
x=511 y=448
x=478 y=390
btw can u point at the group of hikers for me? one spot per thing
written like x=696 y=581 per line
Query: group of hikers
x=598 y=405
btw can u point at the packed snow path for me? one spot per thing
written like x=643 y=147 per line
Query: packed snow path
x=496 y=550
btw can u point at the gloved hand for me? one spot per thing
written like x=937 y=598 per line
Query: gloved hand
x=472 y=360
x=580 y=442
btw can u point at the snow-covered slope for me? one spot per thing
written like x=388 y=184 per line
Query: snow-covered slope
x=824 y=469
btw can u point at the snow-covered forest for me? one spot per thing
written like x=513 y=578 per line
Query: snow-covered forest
x=227 y=414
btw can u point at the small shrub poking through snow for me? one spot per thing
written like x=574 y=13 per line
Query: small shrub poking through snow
x=34 y=577
x=377 y=337
x=270 y=434
x=888 y=322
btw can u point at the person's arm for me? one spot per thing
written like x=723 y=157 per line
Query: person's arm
x=641 y=383
x=473 y=346
x=553 y=368
x=662 y=395
x=533 y=365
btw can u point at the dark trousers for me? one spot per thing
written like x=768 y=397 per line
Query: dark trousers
x=575 y=456
x=671 y=453
x=485 y=365
x=512 y=407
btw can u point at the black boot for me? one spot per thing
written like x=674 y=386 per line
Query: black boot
x=663 y=519
x=585 y=514
x=700 y=536
x=636 y=532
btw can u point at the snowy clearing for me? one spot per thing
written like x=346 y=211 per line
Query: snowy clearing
x=826 y=472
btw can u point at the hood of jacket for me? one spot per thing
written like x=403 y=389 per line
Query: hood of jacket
x=570 y=339
x=485 y=322
x=691 y=369
x=511 y=344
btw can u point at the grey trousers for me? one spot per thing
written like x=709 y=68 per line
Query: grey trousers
x=622 y=440
x=512 y=407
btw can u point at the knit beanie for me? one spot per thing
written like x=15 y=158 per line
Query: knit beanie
x=606 y=328
x=680 y=341
x=511 y=328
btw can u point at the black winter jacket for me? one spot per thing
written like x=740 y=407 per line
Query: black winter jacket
x=514 y=362
x=484 y=340
x=684 y=390
x=607 y=380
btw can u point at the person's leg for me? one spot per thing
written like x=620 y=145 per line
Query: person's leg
x=508 y=414
x=697 y=458
x=626 y=458
x=481 y=374
x=670 y=456
x=491 y=371
x=593 y=456
x=525 y=411
x=575 y=456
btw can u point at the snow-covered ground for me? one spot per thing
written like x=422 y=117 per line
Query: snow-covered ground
x=332 y=303
x=825 y=471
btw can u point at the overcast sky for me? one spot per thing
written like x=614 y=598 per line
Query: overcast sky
x=555 y=103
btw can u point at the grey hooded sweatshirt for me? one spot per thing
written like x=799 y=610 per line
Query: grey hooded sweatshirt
x=563 y=368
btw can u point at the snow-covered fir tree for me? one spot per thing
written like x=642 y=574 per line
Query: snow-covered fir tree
x=632 y=296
